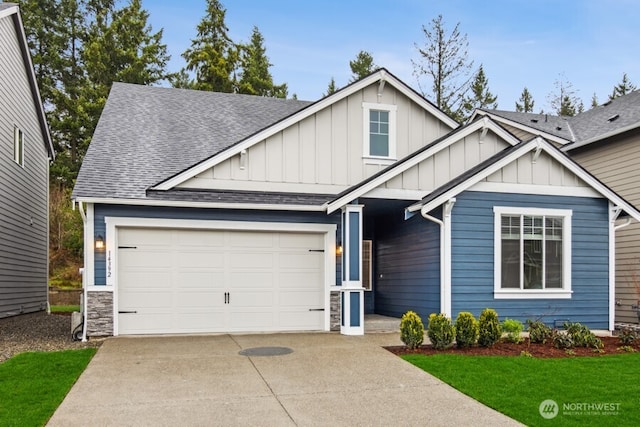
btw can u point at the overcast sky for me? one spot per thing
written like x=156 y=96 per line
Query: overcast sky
x=519 y=42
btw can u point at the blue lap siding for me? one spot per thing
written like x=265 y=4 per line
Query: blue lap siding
x=407 y=260
x=102 y=211
x=473 y=258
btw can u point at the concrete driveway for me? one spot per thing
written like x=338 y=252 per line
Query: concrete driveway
x=327 y=379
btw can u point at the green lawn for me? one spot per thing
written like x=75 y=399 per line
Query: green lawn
x=32 y=385
x=516 y=386
x=64 y=308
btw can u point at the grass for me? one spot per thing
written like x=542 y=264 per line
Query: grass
x=32 y=385
x=516 y=386
x=64 y=308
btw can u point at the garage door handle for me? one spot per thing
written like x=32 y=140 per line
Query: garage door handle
x=316 y=309
x=127 y=312
x=316 y=250
x=127 y=247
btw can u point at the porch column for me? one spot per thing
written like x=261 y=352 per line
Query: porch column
x=352 y=293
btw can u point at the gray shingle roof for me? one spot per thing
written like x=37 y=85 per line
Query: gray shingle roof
x=609 y=117
x=250 y=197
x=553 y=125
x=588 y=126
x=148 y=134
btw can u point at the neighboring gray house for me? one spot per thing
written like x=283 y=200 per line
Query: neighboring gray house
x=606 y=141
x=210 y=212
x=25 y=152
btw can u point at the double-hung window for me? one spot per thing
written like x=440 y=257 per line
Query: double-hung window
x=532 y=253
x=18 y=146
x=379 y=133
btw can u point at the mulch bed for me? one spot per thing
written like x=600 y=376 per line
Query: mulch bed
x=611 y=346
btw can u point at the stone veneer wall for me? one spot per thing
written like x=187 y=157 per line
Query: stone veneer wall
x=334 y=315
x=99 y=314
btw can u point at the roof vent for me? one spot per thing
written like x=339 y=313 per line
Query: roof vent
x=534 y=120
x=613 y=118
x=607 y=103
x=558 y=127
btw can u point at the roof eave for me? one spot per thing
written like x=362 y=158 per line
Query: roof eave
x=522 y=126
x=597 y=138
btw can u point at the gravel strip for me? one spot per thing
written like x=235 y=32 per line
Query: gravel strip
x=38 y=332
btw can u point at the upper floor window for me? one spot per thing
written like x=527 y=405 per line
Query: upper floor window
x=18 y=146
x=532 y=253
x=379 y=132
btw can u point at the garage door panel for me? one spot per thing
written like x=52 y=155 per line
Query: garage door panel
x=182 y=281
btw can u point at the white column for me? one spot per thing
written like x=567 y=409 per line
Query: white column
x=352 y=293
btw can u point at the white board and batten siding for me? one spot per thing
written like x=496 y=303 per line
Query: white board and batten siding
x=323 y=153
x=616 y=164
x=197 y=281
x=23 y=189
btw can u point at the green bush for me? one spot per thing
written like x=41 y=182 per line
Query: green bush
x=466 y=329
x=562 y=340
x=539 y=333
x=489 y=328
x=411 y=330
x=440 y=331
x=627 y=336
x=513 y=328
x=582 y=336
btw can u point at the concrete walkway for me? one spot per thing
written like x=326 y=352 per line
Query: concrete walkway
x=328 y=379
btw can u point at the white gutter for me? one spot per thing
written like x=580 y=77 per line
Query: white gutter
x=84 y=274
x=445 y=253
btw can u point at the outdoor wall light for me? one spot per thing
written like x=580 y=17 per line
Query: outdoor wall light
x=99 y=242
x=339 y=250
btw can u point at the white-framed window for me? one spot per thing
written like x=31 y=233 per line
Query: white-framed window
x=379 y=133
x=18 y=146
x=532 y=253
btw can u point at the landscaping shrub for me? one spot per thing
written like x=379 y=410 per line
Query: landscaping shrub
x=628 y=336
x=489 y=328
x=513 y=328
x=466 y=329
x=411 y=330
x=539 y=333
x=440 y=331
x=562 y=340
x=582 y=336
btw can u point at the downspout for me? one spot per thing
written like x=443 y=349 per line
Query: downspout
x=614 y=213
x=84 y=275
x=445 y=250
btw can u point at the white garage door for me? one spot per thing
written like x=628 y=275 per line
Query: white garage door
x=181 y=281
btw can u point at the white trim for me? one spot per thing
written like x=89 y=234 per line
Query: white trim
x=382 y=74
x=266 y=186
x=99 y=288
x=394 y=171
x=345 y=298
x=446 y=258
x=512 y=293
x=562 y=158
x=395 y=193
x=366 y=133
x=380 y=161
x=347 y=247
x=548 y=190
x=18 y=146
x=89 y=248
x=114 y=223
x=9 y=11
x=613 y=214
x=523 y=127
x=206 y=205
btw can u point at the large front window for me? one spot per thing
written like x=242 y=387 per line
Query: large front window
x=532 y=252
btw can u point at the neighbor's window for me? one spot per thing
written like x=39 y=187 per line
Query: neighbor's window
x=379 y=132
x=533 y=249
x=18 y=146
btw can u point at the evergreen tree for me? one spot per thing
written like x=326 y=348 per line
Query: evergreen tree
x=594 y=100
x=213 y=57
x=525 y=103
x=480 y=97
x=622 y=88
x=182 y=80
x=361 y=66
x=255 y=77
x=444 y=60
x=331 y=88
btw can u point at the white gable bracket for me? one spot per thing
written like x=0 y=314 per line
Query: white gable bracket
x=536 y=153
